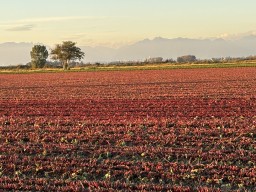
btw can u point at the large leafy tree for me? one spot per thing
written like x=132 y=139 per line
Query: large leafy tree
x=66 y=52
x=39 y=54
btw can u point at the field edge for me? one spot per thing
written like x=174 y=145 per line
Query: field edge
x=130 y=68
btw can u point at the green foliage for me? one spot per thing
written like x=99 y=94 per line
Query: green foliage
x=67 y=52
x=186 y=59
x=39 y=54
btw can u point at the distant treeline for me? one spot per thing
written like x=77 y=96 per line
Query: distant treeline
x=186 y=59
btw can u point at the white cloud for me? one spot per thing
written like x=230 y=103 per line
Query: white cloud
x=28 y=27
x=236 y=36
x=48 y=19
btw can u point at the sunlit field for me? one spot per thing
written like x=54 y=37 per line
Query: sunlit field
x=144 y=130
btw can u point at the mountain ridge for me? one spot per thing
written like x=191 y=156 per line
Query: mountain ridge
x=156 y=47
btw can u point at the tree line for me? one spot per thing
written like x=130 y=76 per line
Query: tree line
x=64 y=53
x=67 y=53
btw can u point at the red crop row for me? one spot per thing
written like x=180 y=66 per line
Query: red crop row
x=170 y=130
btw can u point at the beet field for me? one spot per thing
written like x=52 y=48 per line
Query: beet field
x=154 y=130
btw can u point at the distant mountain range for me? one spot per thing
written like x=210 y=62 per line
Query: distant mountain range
x=14 y=53
x=19 y=53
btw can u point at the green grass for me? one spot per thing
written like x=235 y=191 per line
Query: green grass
x=129 y=68
x=170 y=66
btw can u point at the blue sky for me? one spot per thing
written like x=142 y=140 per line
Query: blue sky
x=119 y=22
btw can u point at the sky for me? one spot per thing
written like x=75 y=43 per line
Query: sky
x=114 y=23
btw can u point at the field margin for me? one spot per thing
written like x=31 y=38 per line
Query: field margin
x=129 y=68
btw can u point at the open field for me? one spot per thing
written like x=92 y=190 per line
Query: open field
x=152 y=130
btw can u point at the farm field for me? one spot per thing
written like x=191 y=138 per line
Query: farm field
x=155 y=130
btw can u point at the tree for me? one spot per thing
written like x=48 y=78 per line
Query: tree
x=66 y=52
x=39 y=54
x=186 y=59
